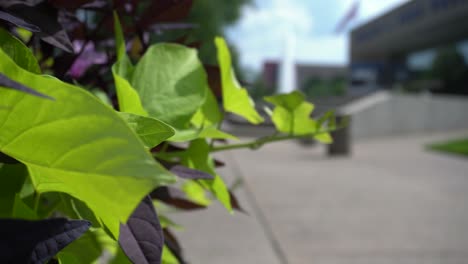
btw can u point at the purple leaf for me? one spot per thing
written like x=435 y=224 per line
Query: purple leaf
x=44 y=17
x=87 y=58
x=188 y=173
x=8 y=83
x=18 y=21
x=142 y=239
x=175 y=197
x=24 y=241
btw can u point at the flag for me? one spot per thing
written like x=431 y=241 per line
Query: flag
x=350 y=15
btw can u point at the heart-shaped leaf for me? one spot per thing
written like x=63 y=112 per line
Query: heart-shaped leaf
x=171 y=83
x=24 y=241
x=76 y=145
x=142 y=238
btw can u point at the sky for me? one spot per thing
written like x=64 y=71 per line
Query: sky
x=259 y=34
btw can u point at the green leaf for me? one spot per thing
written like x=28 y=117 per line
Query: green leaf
x=102 y=96
x=190 y=134
x=215 y=133
x=168 y=257
x=324 y=138
x=198 y=157
x=18 y=52
x=150 y=130
x=86 y=249
x=291 y=114
x=326 y=123
x=235 y=98
x=119 y=37
x=128 y=98
x=328 y=120
x=76 y=145
x=208 y=118
x=196 y=193
x=171 y=82
x=76 y=209
x=122 y=70
x=120 y=257
x=166 y=222
x=22 y=211
x=209 y=113
x=12 y=178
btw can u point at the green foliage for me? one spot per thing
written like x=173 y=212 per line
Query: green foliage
x=86 y=249
x=316 y=88
x=212 y=17
x=151 y=131
x=75 y=141
x=122 y=70
x=171 y=83
x=197 y=157
x=450 y=67
x=235 y=98
x=292 y=115
x=18 y=52
x=77 y=157
x=458 y=147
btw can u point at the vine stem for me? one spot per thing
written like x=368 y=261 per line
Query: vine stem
x=257 y=143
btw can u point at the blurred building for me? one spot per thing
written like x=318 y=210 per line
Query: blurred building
x=306 y=75
x=402 y=46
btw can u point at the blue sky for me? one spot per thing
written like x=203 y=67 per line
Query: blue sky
x=259 y=35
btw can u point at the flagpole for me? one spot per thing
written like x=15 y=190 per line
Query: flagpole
x=287 y=77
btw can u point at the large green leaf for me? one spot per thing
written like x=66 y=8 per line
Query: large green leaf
x=151 y=131
x=235 y=98
x=171 y=83
x=76 y=145
x=292 y=115
x=18 y=52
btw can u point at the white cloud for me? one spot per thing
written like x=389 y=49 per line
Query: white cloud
x=259 y=35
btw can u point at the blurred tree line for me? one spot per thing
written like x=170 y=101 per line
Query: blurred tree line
x=448 y=74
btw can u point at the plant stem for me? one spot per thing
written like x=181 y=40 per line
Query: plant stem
x=257 y=143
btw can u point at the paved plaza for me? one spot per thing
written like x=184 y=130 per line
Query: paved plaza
x=391 y=202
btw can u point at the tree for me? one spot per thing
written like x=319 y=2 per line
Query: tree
x=211 y=18
x=450 y=67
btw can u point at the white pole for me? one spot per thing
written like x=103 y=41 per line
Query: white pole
x=287 y=74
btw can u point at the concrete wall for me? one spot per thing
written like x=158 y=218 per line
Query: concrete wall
x=385 y=114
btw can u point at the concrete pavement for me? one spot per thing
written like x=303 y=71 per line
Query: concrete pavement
x=391 y=202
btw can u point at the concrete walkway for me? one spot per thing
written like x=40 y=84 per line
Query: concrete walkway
x=391 y=202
